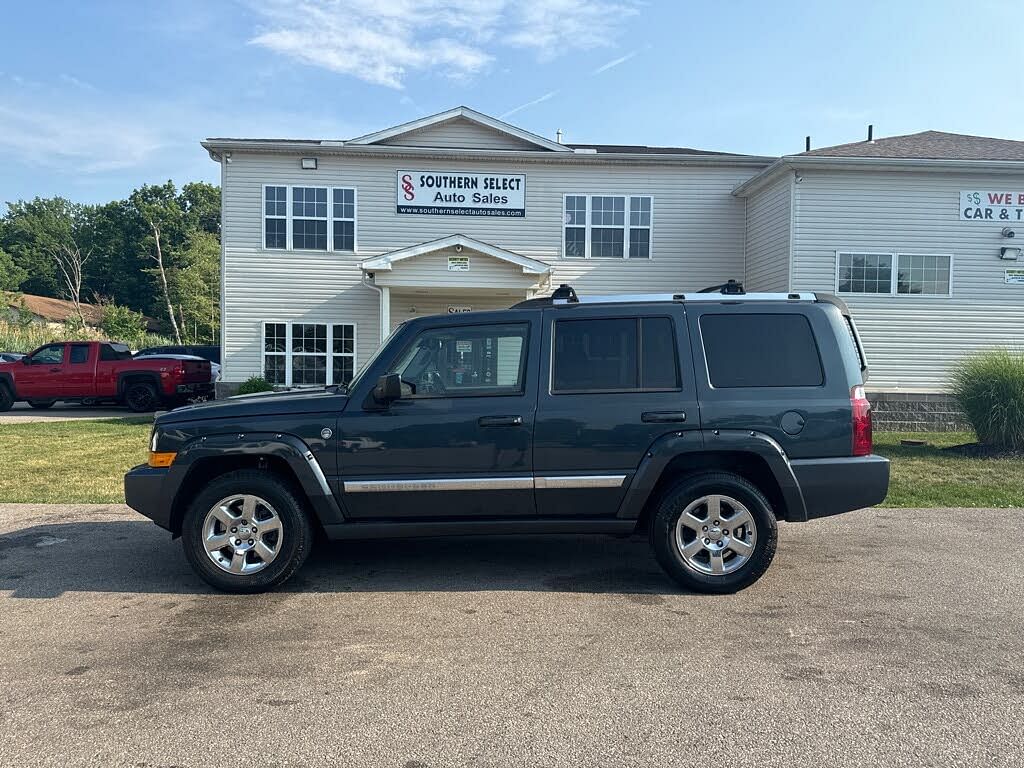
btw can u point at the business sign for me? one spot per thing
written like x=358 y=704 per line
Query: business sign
x=453 y=193
x=991 y=206
x=1015 y=276
x=455 y=310
x=458 y=263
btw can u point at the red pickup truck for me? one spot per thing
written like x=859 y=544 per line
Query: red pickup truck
x=101 y=371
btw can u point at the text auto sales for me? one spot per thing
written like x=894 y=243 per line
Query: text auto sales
x=462 y=194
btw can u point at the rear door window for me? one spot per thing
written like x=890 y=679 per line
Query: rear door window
x=628 y=354
x=760 y=350
x=79 y=354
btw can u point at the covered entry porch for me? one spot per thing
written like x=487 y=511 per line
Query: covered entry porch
x=452 y=274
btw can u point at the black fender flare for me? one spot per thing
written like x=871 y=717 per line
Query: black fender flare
x=291 y=449
x=123 y=376
x=693 y=441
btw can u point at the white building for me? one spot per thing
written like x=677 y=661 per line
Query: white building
x=327 y=245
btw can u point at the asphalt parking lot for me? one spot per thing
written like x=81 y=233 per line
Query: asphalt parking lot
x=883 y=637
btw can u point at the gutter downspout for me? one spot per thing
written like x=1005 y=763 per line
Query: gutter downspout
x=382 y=320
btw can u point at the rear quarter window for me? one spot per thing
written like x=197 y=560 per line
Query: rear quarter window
x=760 y=350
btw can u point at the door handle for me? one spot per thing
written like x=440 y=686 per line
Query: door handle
x=662 y=417
x=55 y=370
x=500 y=421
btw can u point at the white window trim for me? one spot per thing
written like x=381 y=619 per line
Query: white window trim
x=894 y=277
x=625 y=237
x=289 y=218
x=288 y=353
x=354 y=220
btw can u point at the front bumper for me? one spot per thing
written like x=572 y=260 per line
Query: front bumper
x=834 y=486
x=145 y=492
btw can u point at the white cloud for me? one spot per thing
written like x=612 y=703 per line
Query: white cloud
x=382 y=41
x=82 y=84
x=521 y=107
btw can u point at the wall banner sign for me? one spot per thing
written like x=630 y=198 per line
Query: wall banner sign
x=458 y=263
x=455 y=193
x=1015 y=276
x=1002 y=206
x=455 y=310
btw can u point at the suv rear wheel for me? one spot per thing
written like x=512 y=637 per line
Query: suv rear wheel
x=714 y=532
x=246 y=532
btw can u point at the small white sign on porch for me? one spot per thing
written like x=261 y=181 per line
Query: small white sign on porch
x=458 y=263
x=455 y=309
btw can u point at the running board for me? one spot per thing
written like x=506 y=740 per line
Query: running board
x=421 y=528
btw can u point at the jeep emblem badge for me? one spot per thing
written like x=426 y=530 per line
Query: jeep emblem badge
x=326 y=433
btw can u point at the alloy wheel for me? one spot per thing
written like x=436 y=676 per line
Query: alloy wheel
x=242 y=534
x=715 y=535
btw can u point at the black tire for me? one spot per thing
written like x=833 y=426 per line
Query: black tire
x=141 y=397
x=296 y=531
x=6 y=400
x=41 y=405
x=692 y=488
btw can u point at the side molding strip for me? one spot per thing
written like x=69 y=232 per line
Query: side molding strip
x=484 y=483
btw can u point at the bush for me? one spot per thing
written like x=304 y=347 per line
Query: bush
x=989 y=388
x=122 y=324
x=254 y=385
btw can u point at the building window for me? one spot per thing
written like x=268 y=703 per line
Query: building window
x=607 y=226
x=309 y=218
x=275 y=217
x=344 y=219
x=874 y=274
x=923 y=275
x=309 y=354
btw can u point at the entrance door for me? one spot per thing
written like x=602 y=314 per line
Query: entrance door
x=459 y=441
x=42 y=377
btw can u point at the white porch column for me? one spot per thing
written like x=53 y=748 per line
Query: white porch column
x=385 y=312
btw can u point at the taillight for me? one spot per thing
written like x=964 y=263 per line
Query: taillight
x=862 y=440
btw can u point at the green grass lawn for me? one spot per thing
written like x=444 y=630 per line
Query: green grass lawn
x=69 y=461
x=928 y=477
x=84 y=461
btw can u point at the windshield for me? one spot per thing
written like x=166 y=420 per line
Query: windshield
x=369 y=363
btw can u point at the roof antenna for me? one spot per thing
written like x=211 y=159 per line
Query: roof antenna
x=807 y=144
x=871 y=134
x=558 y=135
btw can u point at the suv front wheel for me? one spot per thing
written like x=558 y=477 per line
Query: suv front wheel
x=246 y=532
x=714 y=532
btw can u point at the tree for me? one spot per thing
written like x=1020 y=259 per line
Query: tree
x=159 y=207
x=201 y=204
x=195 y=287
x=11 y=275
x=47 y=233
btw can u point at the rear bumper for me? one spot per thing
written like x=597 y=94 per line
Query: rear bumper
x=834 y=486
x=201 y=388
x=145 y=492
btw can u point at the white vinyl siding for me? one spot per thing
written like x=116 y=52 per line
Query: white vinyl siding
x=698 y=239
x=461 y=133
x=769 y=214
x=912 y=341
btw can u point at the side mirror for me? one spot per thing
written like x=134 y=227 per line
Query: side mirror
x=26 y=360
x=388 y=389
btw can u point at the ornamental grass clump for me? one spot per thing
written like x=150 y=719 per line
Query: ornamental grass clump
x=255 y=385
x=989 y=387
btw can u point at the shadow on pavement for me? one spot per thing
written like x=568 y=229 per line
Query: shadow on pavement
x=127 y=556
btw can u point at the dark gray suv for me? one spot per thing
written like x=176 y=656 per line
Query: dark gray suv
x=698 y=419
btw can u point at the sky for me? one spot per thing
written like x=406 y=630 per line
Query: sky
x=100 y=97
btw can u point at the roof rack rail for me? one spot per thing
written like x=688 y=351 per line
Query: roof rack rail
x=727 y=292
x=730 y=287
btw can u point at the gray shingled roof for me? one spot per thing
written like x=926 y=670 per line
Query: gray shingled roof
x=928 y=145
x=641 y=149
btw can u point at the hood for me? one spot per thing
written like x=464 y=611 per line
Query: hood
x=262 y=404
